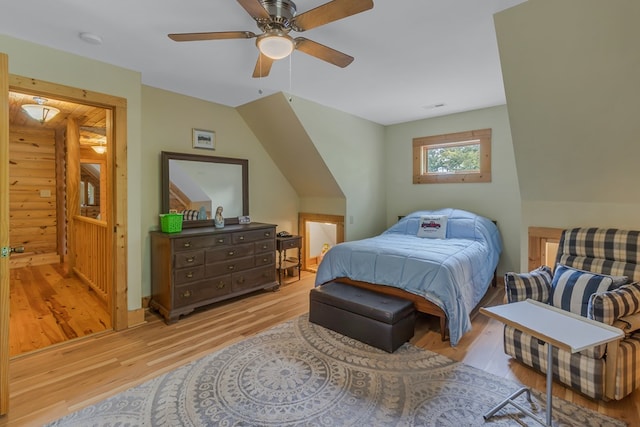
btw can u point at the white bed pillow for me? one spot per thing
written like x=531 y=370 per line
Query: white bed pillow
x=433 y=226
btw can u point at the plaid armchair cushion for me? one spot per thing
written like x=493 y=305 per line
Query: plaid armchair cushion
x=607 y=307
x=535 y=285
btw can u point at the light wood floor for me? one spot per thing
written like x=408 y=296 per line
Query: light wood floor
x=49 y=307
x=48 y=384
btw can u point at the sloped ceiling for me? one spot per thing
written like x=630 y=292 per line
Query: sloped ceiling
x=276 y=125
x=570 y=72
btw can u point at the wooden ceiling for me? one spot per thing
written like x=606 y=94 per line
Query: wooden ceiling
x=92 y=120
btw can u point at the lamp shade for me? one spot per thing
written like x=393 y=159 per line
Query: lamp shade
x=39 y=111
x=275 y=45
x=100 y=149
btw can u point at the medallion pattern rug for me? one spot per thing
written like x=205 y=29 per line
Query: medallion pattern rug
x=300 y=374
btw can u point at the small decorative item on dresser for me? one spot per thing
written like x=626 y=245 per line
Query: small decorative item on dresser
x=218 y=219
x=244 y=220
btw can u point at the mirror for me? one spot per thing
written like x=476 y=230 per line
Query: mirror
x=202 y=183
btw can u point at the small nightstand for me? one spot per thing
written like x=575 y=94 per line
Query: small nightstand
x=282 y=245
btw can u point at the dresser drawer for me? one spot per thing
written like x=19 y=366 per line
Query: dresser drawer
x=252 y=236
x=229 y=252
x=191 y=274
x=196 y=292
x=265 y=259
x=289 y=243
x=188 y=259
x=253 y=278
x=265 y=246
x=230 y=266
x=199 y=242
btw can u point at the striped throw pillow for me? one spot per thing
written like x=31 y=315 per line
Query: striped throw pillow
x=607 y=307
x=571 y=288
x=535 y=285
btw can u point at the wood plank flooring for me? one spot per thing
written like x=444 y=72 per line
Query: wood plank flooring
x=48 y=307
x=48 y=384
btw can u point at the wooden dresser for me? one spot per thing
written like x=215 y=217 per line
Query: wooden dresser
x=199 y=266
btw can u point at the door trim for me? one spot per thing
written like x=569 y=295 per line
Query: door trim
x=4 y=234
x=117 y=166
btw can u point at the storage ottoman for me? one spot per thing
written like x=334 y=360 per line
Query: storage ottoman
x=382 y=321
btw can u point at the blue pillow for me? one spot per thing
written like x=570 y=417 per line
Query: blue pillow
x=571 y=288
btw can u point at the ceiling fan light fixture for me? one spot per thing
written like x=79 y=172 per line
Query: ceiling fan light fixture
x=275 y=45
x=39 y=111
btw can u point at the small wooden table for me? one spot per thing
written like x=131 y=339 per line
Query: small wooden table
x=282 y=244
x=557 y=328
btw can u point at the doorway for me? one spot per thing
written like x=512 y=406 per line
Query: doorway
x=80 y=249
x=57 y=289
x=319 y=233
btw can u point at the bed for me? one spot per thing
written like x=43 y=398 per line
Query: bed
x=446 y=277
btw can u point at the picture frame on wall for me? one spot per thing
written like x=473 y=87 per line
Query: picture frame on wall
x=205 y=139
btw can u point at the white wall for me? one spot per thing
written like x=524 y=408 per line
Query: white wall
x=319 y=235
x=353 y=150
x=50 y=65
x=167 y=122
x=498 y=200
x=570 y=71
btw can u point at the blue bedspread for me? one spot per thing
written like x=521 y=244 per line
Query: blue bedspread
x=453 y=273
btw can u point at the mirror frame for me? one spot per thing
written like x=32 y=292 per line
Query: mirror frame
x=244 y=163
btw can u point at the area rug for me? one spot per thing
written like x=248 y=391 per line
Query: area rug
x=301 y=374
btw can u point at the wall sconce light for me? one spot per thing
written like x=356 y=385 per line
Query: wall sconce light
x=39 y=111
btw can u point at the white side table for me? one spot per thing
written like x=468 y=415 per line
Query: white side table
x=542 y=321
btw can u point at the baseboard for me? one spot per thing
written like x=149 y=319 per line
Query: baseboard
x=135 y=317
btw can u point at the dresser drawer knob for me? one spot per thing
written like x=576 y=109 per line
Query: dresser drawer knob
x=231 y=253
x=186 y=294
x=220 y=240
x=265 y=259
x=267 y=234
x=241 y=238
x=265 y=247
x=220 y=285
x=190 y=259
x=190 y=275
x=231 y=267
x=240 y=280
x=187 y=244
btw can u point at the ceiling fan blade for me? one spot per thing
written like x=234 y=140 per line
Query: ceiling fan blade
x=219 y=35
x=329 y=12
x=263 y=66
x=255 y=9
x=323 y=52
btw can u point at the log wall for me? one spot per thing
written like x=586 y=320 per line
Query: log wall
x=32 y=195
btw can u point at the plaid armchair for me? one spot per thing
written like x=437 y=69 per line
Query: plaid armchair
x=596 y=275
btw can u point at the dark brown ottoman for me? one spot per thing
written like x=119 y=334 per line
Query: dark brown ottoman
x=383 y=321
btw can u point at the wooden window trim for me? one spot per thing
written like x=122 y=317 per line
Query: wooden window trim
x=484 y=135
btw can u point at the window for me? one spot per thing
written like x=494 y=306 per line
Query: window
x=453 y=157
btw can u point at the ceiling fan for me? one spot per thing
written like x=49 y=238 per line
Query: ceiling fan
x=276 y=18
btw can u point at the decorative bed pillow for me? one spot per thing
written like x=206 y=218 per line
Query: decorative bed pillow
x=433 y=226
x=571 y=288
x=535 y=285
x=607 y=307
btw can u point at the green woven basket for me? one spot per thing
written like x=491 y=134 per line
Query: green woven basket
x=171 y=223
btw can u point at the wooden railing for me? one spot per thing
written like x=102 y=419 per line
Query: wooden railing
x=91 y=249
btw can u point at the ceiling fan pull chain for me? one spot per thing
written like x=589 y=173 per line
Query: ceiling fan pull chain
x=290 y=76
